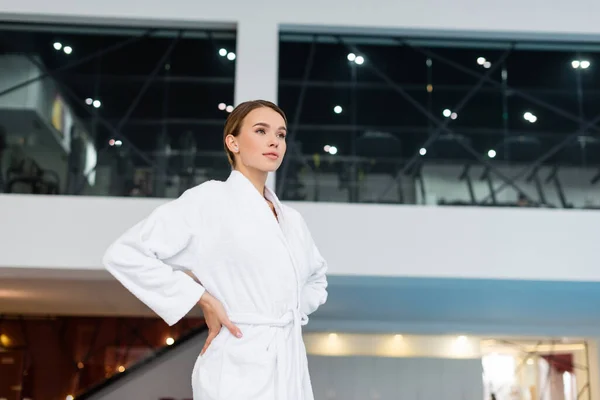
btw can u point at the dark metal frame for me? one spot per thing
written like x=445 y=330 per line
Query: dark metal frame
x=534 y=176
x=465 y=176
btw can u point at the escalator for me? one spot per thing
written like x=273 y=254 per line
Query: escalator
x=166 y=374
x=55 y=357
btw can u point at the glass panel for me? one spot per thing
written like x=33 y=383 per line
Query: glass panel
x=130 y=112
x=87 y=110
x=453 y=121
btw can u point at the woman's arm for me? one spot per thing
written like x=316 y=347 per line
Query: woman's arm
x=136 y=259
x=314 y=292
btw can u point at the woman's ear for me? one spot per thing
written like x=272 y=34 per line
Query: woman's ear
x=232 y=144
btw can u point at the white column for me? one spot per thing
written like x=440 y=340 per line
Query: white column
x=594 y=366
x=257 y=64
x=581 y=376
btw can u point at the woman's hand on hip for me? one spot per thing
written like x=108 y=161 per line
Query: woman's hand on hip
x=215 y=317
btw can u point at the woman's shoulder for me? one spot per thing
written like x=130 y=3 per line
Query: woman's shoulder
x=211 y=190
x=204 y=200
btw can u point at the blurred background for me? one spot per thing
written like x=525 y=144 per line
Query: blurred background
x=443 y=287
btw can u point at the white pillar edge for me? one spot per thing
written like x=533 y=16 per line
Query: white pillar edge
x=257 y=65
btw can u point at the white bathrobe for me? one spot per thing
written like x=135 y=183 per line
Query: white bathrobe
x=266 y=271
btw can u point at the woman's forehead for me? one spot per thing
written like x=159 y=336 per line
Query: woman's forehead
x=265 y=115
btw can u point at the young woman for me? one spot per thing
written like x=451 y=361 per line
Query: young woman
x=261 y=274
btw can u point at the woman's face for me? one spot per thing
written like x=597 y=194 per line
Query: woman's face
x=260 y=144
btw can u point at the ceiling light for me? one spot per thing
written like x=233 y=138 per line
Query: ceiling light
x=529 y=117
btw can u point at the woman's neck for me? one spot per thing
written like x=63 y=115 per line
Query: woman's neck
x=256 y=177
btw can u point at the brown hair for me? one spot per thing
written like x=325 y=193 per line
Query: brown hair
x=236 y=119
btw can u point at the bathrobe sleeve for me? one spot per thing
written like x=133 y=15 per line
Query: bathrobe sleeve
x=137 y=260
x=314 y=292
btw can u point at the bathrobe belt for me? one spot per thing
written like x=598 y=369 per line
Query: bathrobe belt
x=293 y=319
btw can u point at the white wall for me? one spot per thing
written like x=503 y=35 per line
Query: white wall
x=392 y=345
x=68 y=232
x=17 y=69
x=366 y=378
x=521 y=17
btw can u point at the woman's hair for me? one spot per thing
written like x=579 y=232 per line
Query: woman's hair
x=236 y=119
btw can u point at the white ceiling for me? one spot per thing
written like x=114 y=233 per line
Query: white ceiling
x=68 y=297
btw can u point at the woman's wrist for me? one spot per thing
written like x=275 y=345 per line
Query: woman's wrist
x=204 y=299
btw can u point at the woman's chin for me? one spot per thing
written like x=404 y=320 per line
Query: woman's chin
x=267 y=168
x=270 y=167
